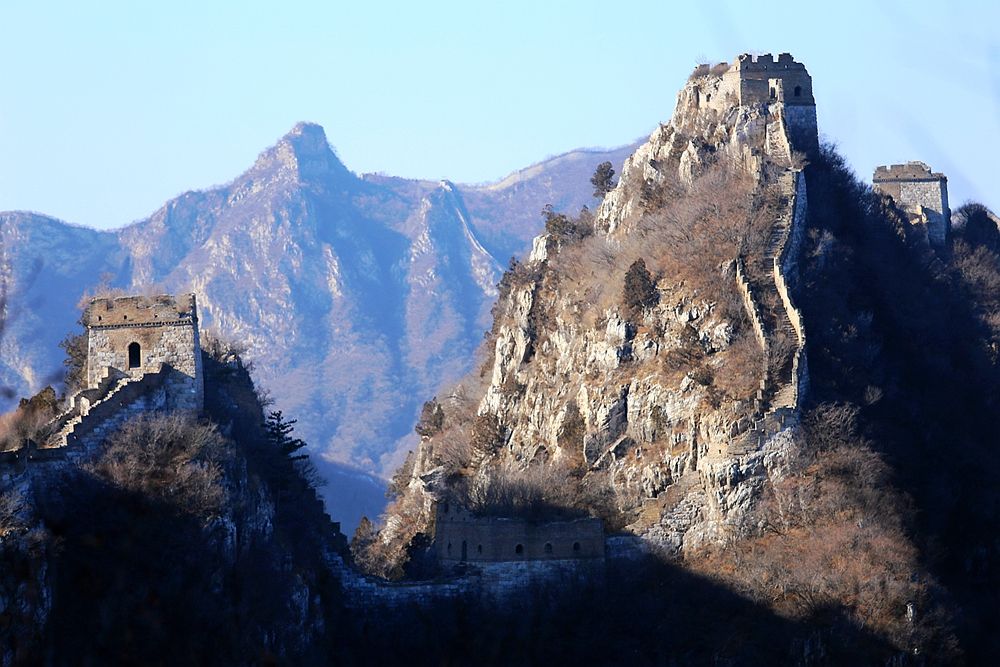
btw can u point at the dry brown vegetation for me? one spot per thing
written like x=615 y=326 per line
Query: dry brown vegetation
x=505 y=488
x=10 y=506
x=834 y=538
x=29 y=421
x=688 y=240
x=978 y=268
x=169 y=459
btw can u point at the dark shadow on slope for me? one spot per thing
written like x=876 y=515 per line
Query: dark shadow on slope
x=648 y=613
x=133 y=582
x=893 y=328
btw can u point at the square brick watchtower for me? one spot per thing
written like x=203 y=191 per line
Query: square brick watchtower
x=921 y=193
x=138 y=335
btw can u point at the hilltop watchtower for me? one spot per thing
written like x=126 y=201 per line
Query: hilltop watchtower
x=921 y=193
x=781 y=85
x=137 y=335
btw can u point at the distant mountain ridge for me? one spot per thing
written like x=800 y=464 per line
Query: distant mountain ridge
x=356 y=295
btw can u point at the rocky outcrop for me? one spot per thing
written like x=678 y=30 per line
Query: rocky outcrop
x=617 y=393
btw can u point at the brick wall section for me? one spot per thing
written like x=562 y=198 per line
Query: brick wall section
x=137 y=397
x=462 y=537
x=785 y=276
x=507 y=583
x=789 y=392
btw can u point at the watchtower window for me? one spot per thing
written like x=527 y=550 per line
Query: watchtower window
x=773 y=94
x=548 y=547
x=519 y=549
x=134 y=355
x=798 y=91
x=576 y=546
x=465 y=550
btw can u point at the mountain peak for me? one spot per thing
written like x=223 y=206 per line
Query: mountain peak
x=305 y=151
x=307 y=139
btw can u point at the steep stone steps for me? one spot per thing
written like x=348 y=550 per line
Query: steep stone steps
x=781 y=384
x=667 y=504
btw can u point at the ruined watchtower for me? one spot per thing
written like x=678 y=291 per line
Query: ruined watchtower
x=137 y=335
x=781 y=85
x=921 y=193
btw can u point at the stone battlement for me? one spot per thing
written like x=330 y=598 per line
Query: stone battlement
x=780 y=88
x=766 y=63
x=140 y=310
x=911 y=171
x=756 y=80
x=135 y=335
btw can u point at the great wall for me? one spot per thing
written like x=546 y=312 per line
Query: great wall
x=144 y=356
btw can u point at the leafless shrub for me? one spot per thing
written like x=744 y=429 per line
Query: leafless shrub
x=453 y=449
x=742 y=368
x=833 y=537
x=222 y=349
x=171 y=459
x=719 y=69
x=29 y=422
x=386 y=552
x=506 y=489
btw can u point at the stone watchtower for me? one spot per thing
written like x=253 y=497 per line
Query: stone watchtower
x=780 y=84
x=921 y=193
x=136 y=336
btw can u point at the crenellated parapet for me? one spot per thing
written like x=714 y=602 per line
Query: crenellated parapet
x=782 y=85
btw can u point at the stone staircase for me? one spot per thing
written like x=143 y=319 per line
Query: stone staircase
x=670 y=508
x=90 y=408
x=778 y=400
x=80 y=402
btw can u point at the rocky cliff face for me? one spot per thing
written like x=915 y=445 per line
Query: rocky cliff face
x=664 y=409
x=355 y=295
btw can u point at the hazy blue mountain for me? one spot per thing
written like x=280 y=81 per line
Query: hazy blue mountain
x=357 y=296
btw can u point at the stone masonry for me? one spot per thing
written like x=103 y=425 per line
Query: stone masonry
x=921 y=193
x=460 y=537
x=143 y=355
x=782 y=85
x=135 y=335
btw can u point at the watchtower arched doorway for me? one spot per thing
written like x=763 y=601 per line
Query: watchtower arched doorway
x=134 y=355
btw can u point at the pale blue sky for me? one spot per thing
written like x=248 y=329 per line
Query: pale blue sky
x=111 y=108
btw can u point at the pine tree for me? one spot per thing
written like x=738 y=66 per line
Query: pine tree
x=279 y=434
x=639 y=292
x=603 y=179
x=431 y=419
